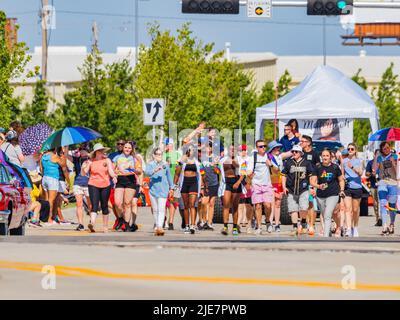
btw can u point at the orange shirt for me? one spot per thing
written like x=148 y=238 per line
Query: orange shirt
x=99 y=176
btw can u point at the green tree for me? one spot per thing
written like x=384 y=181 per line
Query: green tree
x=35 y=112
x=361 y=128
x=387 y=99
x=12 y=65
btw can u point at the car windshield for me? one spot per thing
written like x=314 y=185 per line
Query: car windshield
x=4 y=175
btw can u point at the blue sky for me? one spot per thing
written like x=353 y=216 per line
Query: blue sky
x=289 y=32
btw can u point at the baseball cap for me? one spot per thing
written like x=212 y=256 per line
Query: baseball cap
x=242 y=147
x=345 y=152
x=168 y=141
x=297 y=148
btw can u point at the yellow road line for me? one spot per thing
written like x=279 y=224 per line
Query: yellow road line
x=82 y=272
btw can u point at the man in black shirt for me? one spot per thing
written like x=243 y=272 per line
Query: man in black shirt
x=295 y=183
x=313 y=157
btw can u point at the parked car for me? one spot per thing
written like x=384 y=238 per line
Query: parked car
x=15 y=199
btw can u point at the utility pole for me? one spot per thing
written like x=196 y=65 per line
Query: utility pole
x=136 y=31
x=44 y=16
x=95 y=36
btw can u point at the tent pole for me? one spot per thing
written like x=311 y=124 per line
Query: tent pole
x=276 y=110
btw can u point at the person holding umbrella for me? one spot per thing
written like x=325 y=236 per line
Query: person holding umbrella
x=385 y=164
x=101 y=171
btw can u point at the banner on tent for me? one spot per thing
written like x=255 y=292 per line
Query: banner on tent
x=333 y=129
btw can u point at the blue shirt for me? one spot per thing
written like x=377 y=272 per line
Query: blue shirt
x=287 y=144
x=161 y=181
x=353 y=179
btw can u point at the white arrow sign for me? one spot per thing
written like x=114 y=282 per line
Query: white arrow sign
x=153 y=112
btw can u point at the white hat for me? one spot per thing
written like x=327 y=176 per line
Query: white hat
x=298 y=148
x=97 y=147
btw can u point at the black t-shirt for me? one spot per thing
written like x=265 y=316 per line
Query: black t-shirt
x=297 y=175
x=329 y=175
x=312 y=157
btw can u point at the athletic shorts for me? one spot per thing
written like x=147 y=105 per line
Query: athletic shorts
x=190 y=185
x=126 y=182
x=112 y=198
x=298 y=203
x=175 y=203
x=245 y=201
x=353 y=193
x=50 y=184
x=62 y=187
x=212 y=191
x=229 y=182
x=79 y=190
x=262 y=194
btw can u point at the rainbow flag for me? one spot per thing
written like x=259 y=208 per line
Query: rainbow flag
x=202 y=171
x=243 y=168
x=391 y=209
x=217 y=170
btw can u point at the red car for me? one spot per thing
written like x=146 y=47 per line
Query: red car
x=14 y=199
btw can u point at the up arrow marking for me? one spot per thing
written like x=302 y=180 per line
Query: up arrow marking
x=157 y=106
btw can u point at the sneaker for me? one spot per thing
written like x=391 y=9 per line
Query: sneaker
x=258 y=232
x=210 y=227
x=91 y=228
x=224 y=231
x=235 y=231
x=311 y=231
x=200 y=225
x=385 y=232
x=187 y=230
x=170 y=226
x=278 y=228
x=125 y=227
x=250 y=230
x=348 y=233
x=80 y=228
x=205 y=227
x=192 y=230
x=134 y=227
x=270 y=228
x=355 y=233
x=116 y=223
x=391 y=229
x=34 y=223
x=378 y=223
x=120 y=224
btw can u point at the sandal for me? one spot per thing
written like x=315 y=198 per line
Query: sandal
x=391 y=228
x=385 y=232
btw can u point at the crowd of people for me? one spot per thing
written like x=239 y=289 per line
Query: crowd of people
x=192 y=178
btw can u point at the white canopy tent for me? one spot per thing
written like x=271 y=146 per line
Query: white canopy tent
x=323 y=94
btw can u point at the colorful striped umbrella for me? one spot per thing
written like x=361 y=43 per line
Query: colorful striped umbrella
x=32 y=138
x=69 y=136
x=386 y=134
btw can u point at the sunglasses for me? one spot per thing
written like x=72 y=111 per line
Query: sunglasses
x=295 y=151
x=264 y=146
x=351 y=149
x=157 y=154
x=120 y=144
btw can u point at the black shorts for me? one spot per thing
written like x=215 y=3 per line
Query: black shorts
x=126 y=182
x=245 y=201
x=353 y=193
x=137 y=190
x=190 y=185
x=212 y=191
x=229 y=185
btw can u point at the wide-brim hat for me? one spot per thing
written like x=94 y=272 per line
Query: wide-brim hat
x=297 y=148
x=35 y=176
x=97 y=147
x=272 y=145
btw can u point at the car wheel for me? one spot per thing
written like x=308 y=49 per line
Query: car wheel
x=20 y=231
x=285 y=216
x=3 y=229
x=218 y=211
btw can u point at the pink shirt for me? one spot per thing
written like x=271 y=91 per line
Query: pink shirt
x=99 y=176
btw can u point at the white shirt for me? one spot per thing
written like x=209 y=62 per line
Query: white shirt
x=262 y=174
x=243 y=164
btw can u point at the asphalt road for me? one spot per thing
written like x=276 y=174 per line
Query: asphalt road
x=202 y=266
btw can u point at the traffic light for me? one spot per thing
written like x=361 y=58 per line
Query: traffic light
x=211 y=6
x=329 y=7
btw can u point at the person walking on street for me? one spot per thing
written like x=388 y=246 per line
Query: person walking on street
x=327 y=178
x=139 y=186
x=127 y=167
x=295 y=183
x=277 y=157
x=289 y=139
x=311 y=156
x=101 y=171
x=259 y=172
x=353 y=171
x=386 y=165
x=161 y=187
x=245 y=205
x=81 y=182
x=231 y=189
x=190 y=186
x=372 y=177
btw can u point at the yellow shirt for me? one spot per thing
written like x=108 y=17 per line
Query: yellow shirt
x=35 y=193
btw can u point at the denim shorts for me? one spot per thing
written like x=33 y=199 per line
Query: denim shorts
x=50 y=184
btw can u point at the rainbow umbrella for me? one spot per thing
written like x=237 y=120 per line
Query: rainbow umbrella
x=69 y=136
x=386 y=134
